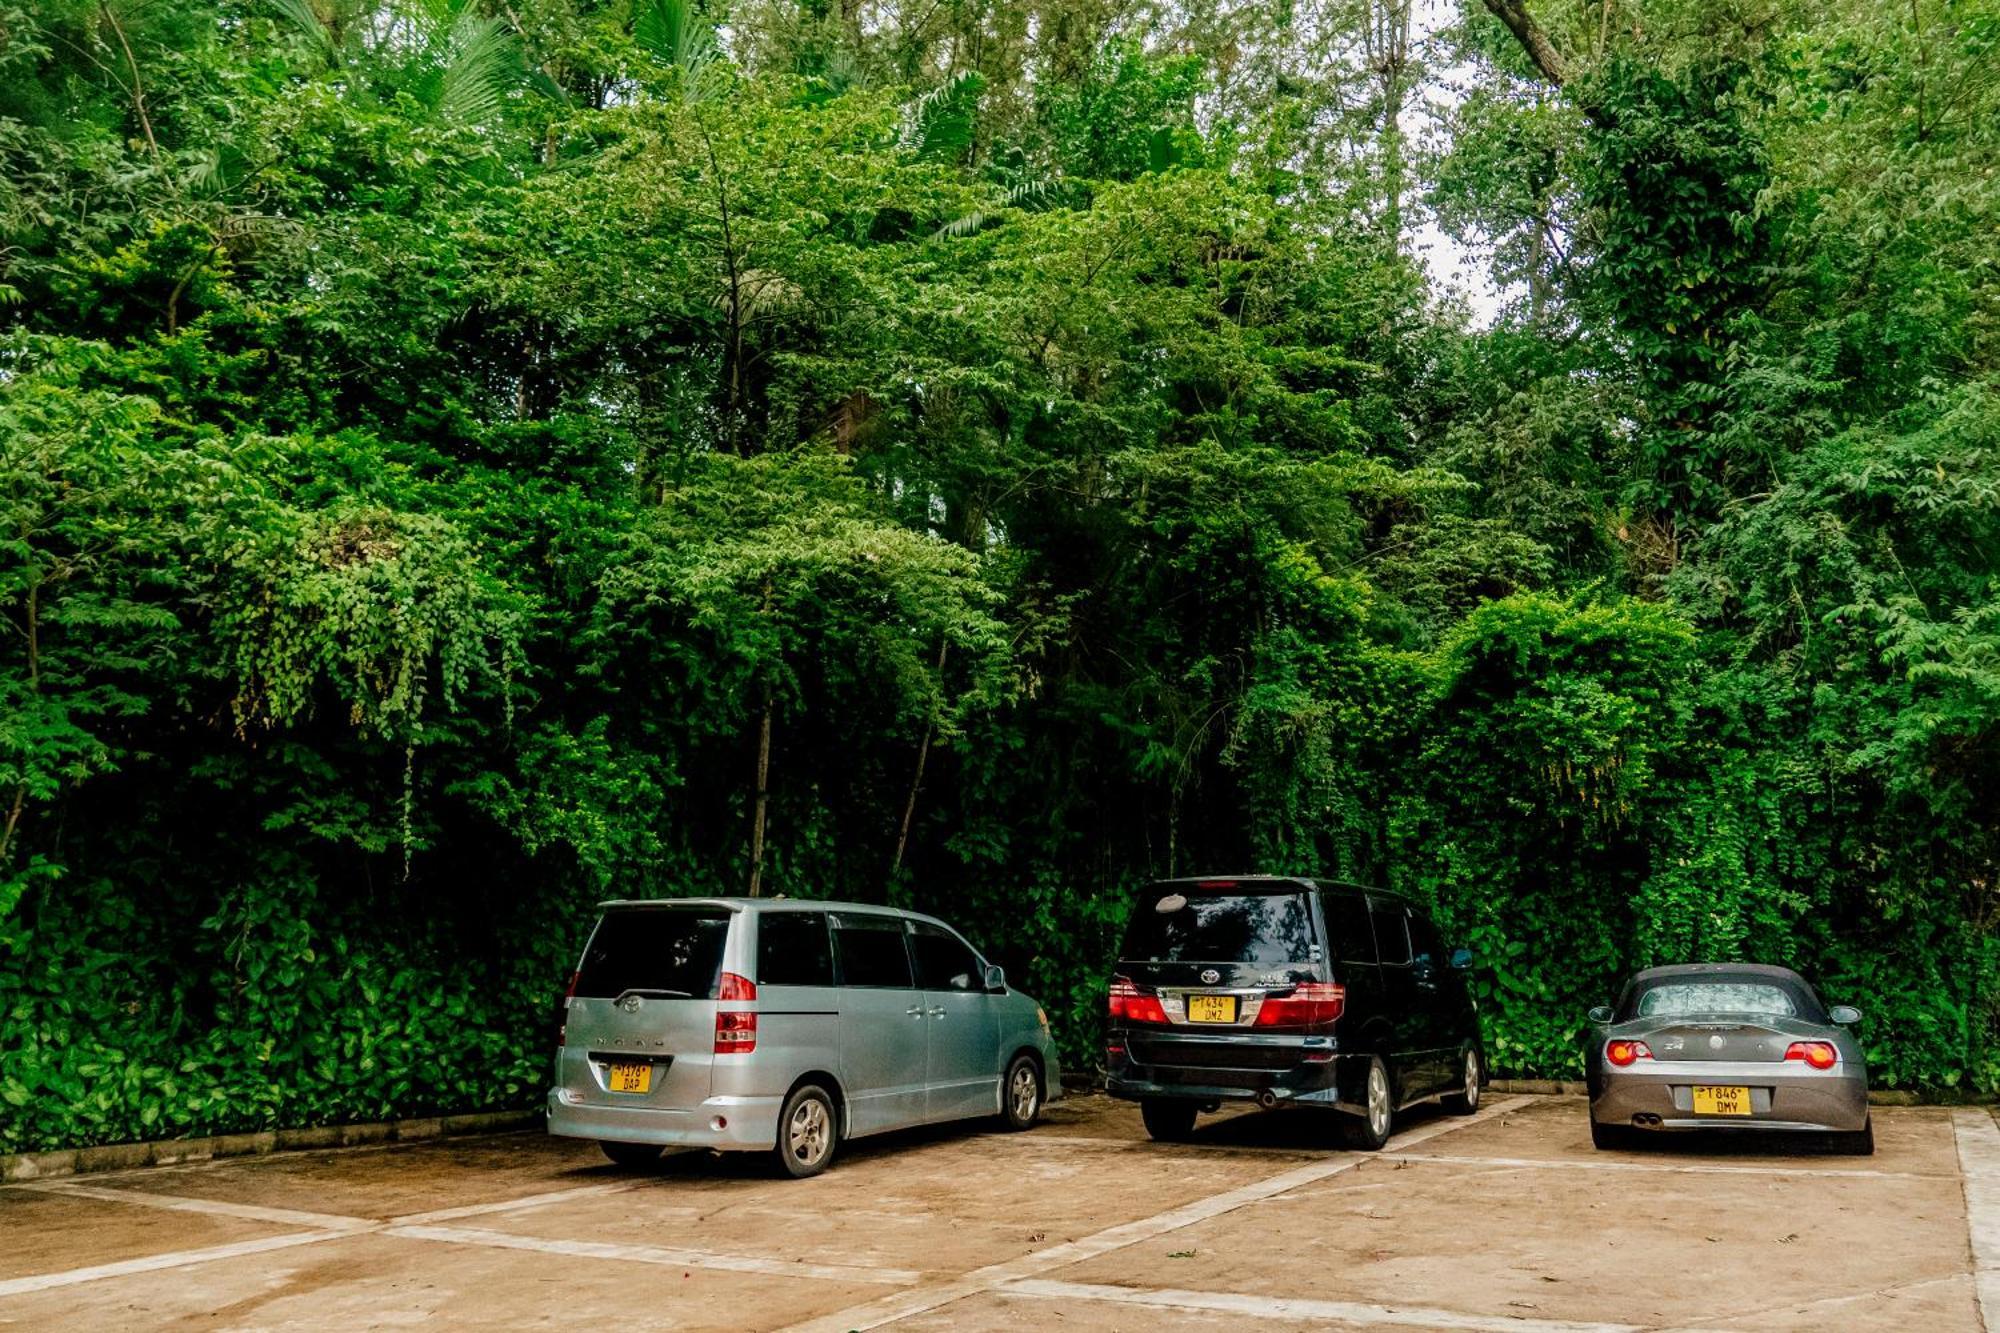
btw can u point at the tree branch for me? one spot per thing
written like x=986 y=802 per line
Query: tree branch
x=1534 y=39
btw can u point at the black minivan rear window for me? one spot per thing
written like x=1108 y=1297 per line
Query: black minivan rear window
x=672 y=951
x=1264 y=929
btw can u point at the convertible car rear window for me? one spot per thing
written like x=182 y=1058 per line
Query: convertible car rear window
x=1263 y=929
x=1691 y=998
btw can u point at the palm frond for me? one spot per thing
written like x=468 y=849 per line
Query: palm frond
x=938 y=125
x=673 y=34
x=302 y=18
x=1031 y=196
x=482 y=64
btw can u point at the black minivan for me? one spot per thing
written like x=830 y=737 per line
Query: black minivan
x=1288 y=991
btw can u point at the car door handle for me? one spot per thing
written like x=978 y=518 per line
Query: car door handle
x=917 y=1012
x=938 y=1012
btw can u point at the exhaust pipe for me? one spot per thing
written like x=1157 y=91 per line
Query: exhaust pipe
x=1267 y=1099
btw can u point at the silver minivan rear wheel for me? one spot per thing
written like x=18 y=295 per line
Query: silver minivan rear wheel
x=807 y=1132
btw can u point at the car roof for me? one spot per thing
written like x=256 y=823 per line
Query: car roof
x=1271 y=883
x=765 y=904
x=1680 y=971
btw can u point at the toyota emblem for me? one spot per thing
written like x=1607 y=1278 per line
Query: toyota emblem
x=1209 y=976
x=630 y=1004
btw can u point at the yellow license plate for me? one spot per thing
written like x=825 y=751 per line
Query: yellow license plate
x=1211 y=1008
x=630 y=1078
x=1722 y=1101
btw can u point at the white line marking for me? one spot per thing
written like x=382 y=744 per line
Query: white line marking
x=1146 y=1145
x=213 y=1207
x=153 y=1263
x=1979 y=1161
x=648 y=1254
x=515 y=1205
x=888 y=1309
x=1280 y=1307
x=1675 y=1168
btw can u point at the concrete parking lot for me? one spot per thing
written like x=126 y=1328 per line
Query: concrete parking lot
x=1507 y=1220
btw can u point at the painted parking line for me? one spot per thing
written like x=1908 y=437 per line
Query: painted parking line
x=1672 y=1168
x=669 y=1258
x=1979 y=1166
x=888 y=1309
x=1291 y=1309
x=520 y=1205
x=154 y=1263
x=289 y=1217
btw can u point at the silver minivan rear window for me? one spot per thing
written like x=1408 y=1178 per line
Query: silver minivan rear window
x=674 y=952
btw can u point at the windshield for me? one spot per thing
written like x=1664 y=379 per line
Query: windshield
x=675 y=952
x=1264 y=929
x=1688 y=998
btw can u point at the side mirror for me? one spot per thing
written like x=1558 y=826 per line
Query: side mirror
x=1845 y=1015
x=1600 y=1014
x=996 y=980
x=1461 y=959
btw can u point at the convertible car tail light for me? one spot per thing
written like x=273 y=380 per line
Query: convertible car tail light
x=1623 y=1053
x=1818 y=1054
x=1311 y=1004
x=1131 y=1005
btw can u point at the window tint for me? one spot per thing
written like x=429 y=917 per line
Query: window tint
x=944 y=961
x=1264 y=929
x=871 y=951
x=1716 y=997
x=676 y=951
x=1391 y=934
x=792 y=949
x=1347 y=921
x=1426 y=948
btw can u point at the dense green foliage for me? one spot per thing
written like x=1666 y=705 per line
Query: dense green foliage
x=466 y=460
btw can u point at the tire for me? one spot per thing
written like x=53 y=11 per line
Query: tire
x=1610 y=1137
x=808 y=1132
x=1370 y=1130
x=1021 y=1094
x=631 y=1156
x=1860 y=1142
x=1168 y=1121
x=1472 y=1071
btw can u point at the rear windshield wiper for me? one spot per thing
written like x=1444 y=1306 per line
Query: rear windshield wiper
x=655 y=994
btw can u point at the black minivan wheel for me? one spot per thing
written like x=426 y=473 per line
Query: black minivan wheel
x=807 y=1132
x=1369 y=1131
x=1166 y=1120
x=631 y=1156
x=1466 y=1100
x=1021 y=1094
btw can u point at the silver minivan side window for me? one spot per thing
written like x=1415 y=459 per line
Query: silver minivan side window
x=870 y=950
x=793 y=949
x=944 y=961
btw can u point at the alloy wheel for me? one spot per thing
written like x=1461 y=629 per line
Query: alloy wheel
x=1024 y=1094
x=810 y=1133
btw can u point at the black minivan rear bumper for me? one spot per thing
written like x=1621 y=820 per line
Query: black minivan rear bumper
x=1238 y=1067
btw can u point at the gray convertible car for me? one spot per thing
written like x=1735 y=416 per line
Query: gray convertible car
x=1725 y=1046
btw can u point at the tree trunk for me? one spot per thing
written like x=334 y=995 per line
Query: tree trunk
x=1532 y=37
x=763 y=799
x=917 y=781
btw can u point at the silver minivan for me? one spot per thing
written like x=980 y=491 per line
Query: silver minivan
x=787 y=1026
